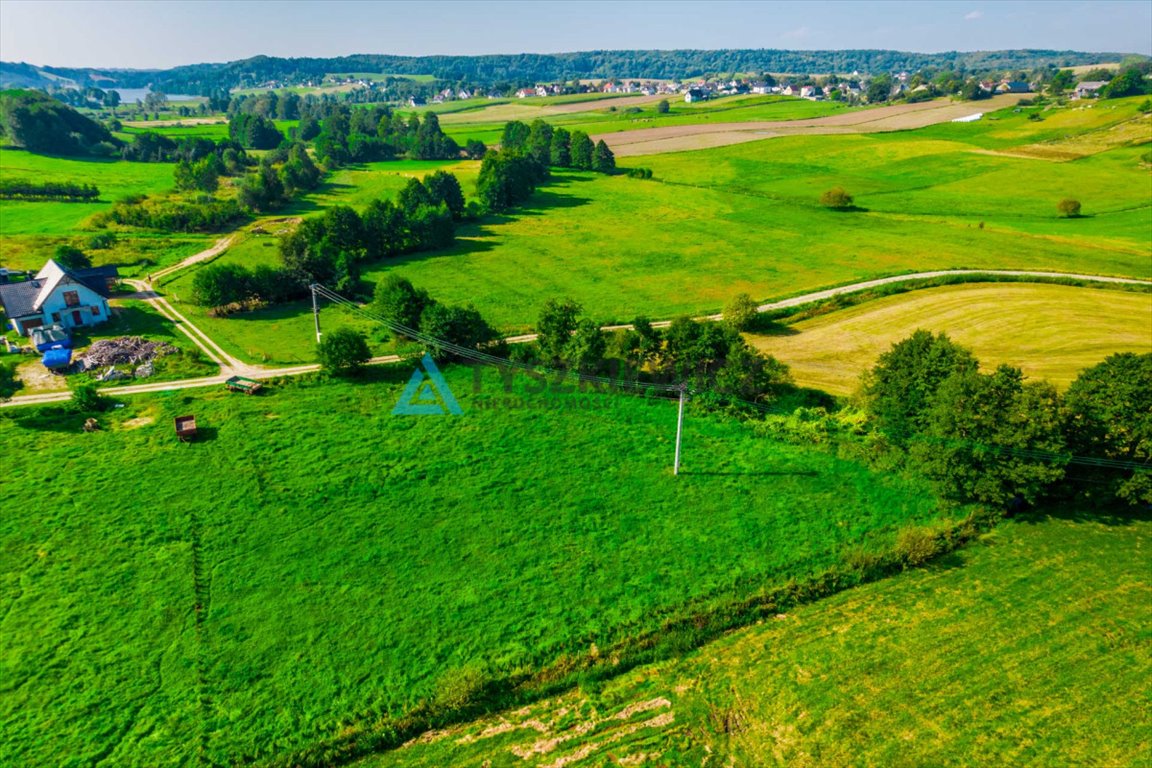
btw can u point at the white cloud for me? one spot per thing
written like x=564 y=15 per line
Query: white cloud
x=796 y=34
x=972 y=16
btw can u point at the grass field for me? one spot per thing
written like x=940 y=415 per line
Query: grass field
x=1030 y=649
x=354 y=558
x=1049 y=331
x=746 y=219
x=30 y=231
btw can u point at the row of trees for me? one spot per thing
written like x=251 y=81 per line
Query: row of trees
x=999 y=439
x=376 y=133
x=557 y=147
x=332 y=248
x=253 y=131
x=22 y=189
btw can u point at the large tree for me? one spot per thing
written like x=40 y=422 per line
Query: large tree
x=992 y=438
x=558 y=319
x=343 y=351
x=1108 y=415
x=902 y=386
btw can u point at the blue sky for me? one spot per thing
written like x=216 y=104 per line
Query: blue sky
x=164 y=33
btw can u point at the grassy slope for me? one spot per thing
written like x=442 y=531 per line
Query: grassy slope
x=1029 y=650
x=1049 y=331
x=352 y=557
x=30 y=231
x=745 y=219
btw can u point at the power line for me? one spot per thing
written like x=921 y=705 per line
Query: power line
x=682 y=389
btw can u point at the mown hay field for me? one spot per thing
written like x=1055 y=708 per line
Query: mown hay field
x=1048 y=331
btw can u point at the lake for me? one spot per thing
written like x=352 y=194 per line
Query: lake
x=129 y=96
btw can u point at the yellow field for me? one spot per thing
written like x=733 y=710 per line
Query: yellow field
x=1049 y=331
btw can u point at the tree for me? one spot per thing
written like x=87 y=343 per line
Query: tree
x=221 y=284
x=71 y=257
x=901 y=388
x=741 y=312
x=1130 y=82
x=584 y=350
x=602 y=158
x=1061 y=81
x=554 y=327
x=879 y=88
x=444 y=187
x=343 y=351
x=836 y=199
x=1068 y=208
x=991 y=438
x=559 y=154
x=8 y=381
x=86 y=399
x=475 y=149
x=539 y=144
x=662 y=107
x=515 y=137
x=385 y=230
x=201 y=175
x=462 y=326
x=399 y=302
x=413 y=195
x=581 y=151
x=1108 y=415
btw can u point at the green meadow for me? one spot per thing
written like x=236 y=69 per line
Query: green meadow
x=30 y=231
x=1029 y=648
x=155 y=615
x=746 y=219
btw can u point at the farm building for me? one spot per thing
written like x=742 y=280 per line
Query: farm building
x=1089 y=88
x=59 y=296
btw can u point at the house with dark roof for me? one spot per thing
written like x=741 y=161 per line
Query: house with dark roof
x=71 y=298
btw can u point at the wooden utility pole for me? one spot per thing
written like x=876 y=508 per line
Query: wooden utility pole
x=679 y=429
x=315 y=312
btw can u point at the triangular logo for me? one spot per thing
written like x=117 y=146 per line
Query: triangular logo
x=427 y=394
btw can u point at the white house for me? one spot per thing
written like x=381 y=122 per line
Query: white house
x=71 y=298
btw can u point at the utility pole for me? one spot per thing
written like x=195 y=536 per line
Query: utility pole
x=679 y=428
x=315 y=312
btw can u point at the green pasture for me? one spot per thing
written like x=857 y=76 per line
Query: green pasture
x=355 y=561
x=746 y=219
x=1030 y=649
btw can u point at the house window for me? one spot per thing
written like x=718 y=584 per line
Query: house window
x=96 y=310
x=71 y=298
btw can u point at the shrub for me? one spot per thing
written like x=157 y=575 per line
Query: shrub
x=1068 y=208
x=343 y=351
x=459 y=688
x=71 y=257
x=741 y=312
x=8 y=381
x=836 y=198
x=917 y=545
x=86 y=399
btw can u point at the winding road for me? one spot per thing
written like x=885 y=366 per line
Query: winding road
x=230 y=366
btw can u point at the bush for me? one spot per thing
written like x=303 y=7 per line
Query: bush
x=8 y=381
x=343 y=351
x=836 y=198
x=86 y=399
x=916 y=545
x=741 y=312
x=1068 y=208
x=71 y=257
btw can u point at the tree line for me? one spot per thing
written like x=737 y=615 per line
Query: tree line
x=332 y=248
x=22 y=189
x=997 y=438
x=532 y=68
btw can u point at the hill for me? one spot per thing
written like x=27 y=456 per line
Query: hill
x=39 y=123
x=532 y=67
